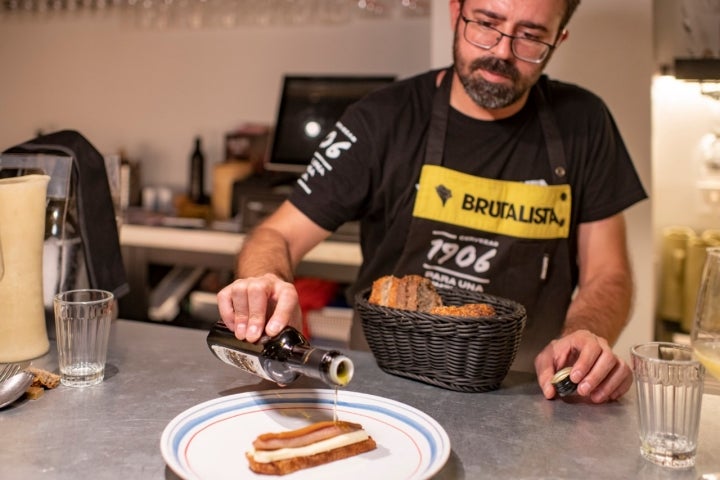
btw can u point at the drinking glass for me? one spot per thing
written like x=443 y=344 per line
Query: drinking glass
x=705 y=335
x=669 y=385
x=82 y=325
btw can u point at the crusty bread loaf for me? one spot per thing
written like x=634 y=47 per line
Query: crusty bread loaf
x=416 y=293
x=282 y=467
x=467 y=310
x=411 y=292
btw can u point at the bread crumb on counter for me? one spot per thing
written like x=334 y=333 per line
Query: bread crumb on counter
x=44 y=378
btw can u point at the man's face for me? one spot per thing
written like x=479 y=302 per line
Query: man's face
x=495 y=78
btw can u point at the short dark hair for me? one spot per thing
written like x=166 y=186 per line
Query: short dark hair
x=570 y=7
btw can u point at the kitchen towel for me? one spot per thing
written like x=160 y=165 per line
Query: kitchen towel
x=91 y=200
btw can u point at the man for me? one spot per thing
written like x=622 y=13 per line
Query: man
x=486 y=176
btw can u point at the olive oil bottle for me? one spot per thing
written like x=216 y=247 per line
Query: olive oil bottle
x=281 y=359
x=196 y=191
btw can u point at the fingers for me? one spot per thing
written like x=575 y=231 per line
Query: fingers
x=600 y=374
x=595 y=361
x=251 y=307
x=286 y=312
x=545 y=369
x=225 y=308
x=557 y=355
x=615 y=385
x=246 y=304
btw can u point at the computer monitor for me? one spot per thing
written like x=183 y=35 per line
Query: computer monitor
x=309 y=107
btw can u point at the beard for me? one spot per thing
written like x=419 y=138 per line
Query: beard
x=487 y=94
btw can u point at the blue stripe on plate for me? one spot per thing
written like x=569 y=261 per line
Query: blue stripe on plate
x=188 y=421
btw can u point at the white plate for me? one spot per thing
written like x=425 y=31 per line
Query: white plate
x=209 y=441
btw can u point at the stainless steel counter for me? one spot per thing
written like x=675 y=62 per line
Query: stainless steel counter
x=155 y=372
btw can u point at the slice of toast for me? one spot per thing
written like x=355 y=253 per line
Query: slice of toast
x=315 y=444
x=411 y=292
x=283 y=467
x=467 y=310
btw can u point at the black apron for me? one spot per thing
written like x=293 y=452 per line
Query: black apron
x=504 y=238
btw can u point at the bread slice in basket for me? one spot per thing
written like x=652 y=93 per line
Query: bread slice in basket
x=411 y=292
x=416 y=293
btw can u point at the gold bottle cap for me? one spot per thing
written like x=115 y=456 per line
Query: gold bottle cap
x=562 y=383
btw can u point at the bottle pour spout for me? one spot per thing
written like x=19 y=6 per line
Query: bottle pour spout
x=341 y=370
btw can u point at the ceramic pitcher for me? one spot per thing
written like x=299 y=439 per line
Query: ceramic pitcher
x=23 y=332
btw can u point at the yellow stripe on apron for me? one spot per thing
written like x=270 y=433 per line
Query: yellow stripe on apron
x=503 y=207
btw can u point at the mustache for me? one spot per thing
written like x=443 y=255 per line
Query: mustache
x=495 y=65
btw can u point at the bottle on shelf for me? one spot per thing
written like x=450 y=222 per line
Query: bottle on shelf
x=281 y=359
x=197 y=174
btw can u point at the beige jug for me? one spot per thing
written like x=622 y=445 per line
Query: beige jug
x=23 y=333
x=673 y=261
x=696 y=255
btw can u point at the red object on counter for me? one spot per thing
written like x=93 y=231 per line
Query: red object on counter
x=313 y=294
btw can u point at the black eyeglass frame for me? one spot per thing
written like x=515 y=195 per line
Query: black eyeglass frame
x=550 y=46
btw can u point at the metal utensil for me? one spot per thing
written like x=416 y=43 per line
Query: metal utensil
x=8 y=370
x=12 y=388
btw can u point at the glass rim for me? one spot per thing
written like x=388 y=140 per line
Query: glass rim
x=680 y=346
x=99 y=296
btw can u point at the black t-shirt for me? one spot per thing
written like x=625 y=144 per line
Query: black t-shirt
x=367 y=169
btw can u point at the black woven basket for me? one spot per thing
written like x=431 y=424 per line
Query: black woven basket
x=457 y=353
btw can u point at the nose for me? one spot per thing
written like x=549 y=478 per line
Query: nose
x=503 y=49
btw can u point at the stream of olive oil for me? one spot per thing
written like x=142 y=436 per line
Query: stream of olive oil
x=335 y=416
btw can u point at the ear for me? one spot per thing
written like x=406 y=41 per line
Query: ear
x=563 y=36
x=454 y=13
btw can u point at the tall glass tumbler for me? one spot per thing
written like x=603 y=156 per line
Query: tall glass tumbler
x=669 y=385
x=705 y=333
x=82 y=327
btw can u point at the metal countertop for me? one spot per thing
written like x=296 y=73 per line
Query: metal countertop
x=155 y=372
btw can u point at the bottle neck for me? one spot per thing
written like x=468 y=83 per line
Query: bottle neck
x=333 y=368
x=282 y=358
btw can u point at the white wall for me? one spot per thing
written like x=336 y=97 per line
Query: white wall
x=682 y=118
x=151 y=91
x=609 y=51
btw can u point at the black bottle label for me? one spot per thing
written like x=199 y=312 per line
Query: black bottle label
x=249 y=363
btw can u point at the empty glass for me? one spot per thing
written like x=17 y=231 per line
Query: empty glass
x=82 y=326
x=669 y=385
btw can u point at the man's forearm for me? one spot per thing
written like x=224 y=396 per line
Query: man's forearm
x=264 y=251
x=602 y=307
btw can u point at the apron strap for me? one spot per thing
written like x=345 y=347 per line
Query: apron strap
x=438 y=122
x=553 y=140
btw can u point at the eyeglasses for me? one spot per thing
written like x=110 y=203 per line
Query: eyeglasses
x=486 y=37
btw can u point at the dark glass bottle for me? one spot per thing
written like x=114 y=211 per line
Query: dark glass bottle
x=281 y=359
x=197 y=173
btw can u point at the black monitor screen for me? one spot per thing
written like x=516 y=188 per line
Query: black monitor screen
x=309 y=107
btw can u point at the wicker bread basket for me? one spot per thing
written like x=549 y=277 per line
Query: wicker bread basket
x=456 y=353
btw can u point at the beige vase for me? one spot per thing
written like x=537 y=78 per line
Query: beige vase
x=23 y=332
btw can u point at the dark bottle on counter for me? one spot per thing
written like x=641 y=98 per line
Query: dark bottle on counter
x=281 y=359
x=197 y=174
